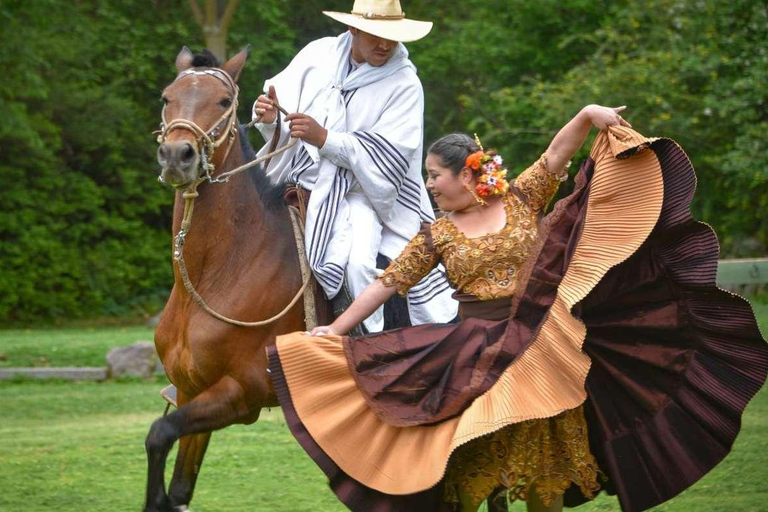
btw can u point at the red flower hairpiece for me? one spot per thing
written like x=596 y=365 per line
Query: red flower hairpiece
x=491 y=175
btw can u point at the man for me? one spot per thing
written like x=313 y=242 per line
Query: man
x=359 y=116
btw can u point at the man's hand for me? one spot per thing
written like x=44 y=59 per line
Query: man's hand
x=264 y=111
x=307 y=129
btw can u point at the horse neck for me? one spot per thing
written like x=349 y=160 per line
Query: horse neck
x=231 y=218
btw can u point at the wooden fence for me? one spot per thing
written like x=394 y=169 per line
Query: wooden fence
x=743 y=276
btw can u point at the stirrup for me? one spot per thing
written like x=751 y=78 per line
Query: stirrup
x=169 y=395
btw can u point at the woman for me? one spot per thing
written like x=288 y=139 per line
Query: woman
x=618 y=278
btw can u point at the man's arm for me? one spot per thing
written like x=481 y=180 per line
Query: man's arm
x=380 y=156
x=307 y=129
x=389 y=143
x=289 y=83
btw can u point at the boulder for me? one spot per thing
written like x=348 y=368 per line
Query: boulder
x=138 y=359
x=155 y=319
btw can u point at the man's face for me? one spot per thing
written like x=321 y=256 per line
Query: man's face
x=374 y=50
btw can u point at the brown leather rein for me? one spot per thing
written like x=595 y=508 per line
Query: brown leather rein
x=207 y=144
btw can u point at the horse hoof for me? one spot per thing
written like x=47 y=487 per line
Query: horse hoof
x=181 y=508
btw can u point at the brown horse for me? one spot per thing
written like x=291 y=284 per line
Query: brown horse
x=241 y=258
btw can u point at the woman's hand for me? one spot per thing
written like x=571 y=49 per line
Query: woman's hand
x=603 y=117
x=571 y=136
x=321 y=330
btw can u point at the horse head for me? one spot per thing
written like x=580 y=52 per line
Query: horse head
x=199 y=116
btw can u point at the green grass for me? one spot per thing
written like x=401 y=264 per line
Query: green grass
x=74 y=447
x=89 y=346
x=79 y=447
x=65 y=347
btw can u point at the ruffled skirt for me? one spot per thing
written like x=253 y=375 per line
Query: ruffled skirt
x=617 y=312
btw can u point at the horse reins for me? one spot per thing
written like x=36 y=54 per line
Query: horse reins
x=207 y=143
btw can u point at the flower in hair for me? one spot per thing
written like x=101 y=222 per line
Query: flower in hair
x=491 y=176
x=474 y=160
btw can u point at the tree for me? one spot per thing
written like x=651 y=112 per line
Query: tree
x=85 y=227
x=214 y=18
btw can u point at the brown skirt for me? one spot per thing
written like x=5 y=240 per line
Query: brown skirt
x=636 y=331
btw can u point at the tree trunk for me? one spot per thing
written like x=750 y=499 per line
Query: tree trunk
x=214 y=20
x=216 y=42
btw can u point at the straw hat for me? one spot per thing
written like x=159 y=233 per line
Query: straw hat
x=383 y=18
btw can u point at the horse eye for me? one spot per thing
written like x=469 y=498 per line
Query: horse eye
x=225 y=102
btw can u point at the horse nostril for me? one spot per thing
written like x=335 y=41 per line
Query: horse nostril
x=188 y=154
x=162 y=153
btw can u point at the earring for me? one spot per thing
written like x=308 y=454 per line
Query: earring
x=472 y=191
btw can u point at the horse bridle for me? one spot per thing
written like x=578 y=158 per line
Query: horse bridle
x=207 y=143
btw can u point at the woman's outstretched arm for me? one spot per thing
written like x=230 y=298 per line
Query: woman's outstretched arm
x=571 y=136
x=366 y=303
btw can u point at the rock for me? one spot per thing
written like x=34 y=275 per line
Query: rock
x=159 y=368
x=154 y=320
x=67 y=373
x=138 y=359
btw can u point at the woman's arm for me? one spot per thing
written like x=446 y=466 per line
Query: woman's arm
x=366 y=303
x=571 y=136
x=416 y=261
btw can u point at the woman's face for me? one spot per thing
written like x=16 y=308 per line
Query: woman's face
x=447 y=188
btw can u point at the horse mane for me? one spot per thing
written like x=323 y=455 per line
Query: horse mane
x=272 y=196
x=205 y=59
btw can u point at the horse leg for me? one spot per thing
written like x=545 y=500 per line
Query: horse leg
x=217 y=407
x=188 y=461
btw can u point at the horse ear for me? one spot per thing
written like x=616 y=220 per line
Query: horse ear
x=234 y=65
x=184 y=59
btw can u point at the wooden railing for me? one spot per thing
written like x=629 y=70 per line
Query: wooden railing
x=744 y=276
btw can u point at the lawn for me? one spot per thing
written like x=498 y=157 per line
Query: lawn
x=66 y=347
x=79 y=447
x=74 y=447
x=761 y=312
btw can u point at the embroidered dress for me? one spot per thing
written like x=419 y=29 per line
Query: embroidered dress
x=613 y=314
x=554 y=452
x=483 y=266
x=550 y=454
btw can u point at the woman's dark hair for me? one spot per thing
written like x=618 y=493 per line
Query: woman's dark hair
x=453 y=150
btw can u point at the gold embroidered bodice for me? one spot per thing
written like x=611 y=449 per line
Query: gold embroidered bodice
x=484 y=266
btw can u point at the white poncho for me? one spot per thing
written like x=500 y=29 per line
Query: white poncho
x=374 y=118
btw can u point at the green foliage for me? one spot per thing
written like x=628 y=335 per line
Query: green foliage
x=85 y=229
x=691 y=71
x=84 y=226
